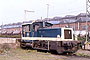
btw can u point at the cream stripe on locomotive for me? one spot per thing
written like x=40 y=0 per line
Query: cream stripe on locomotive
x=45 y=38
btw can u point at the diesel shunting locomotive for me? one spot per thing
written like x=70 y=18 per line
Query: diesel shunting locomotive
x=41 y=35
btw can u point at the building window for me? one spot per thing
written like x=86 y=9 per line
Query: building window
x=73 y=27
x=84 y=27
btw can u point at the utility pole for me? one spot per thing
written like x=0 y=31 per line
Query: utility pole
x=2 y=26
x=87 y=13
x=47 y=10
x=25 y=11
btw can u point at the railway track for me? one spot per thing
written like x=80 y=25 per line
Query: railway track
x=67 y=56
x=71 y=57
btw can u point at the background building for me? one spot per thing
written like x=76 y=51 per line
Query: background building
x=78 y=23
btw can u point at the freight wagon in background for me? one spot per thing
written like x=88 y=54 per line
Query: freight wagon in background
x=41 y=35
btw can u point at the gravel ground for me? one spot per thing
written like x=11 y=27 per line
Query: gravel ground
x=77 y=58
x=20 y=54
x=85 y=52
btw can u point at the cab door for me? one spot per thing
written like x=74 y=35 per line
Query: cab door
x=26 y=31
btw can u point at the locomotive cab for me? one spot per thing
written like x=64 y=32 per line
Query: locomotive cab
x=30 y=29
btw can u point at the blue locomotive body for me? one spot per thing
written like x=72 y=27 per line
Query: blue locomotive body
x=44 y=32
x=49 y=32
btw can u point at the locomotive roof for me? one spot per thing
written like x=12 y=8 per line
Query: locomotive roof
x=56 y=28
x=35 y=22
x=29 y=23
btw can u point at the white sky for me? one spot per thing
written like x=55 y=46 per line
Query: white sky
x=12 y=11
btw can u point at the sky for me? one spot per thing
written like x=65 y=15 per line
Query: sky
x=12 y=11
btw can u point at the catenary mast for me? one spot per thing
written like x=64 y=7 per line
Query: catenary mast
x=87 y=16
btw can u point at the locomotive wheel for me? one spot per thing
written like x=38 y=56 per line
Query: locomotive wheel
x=59 y=50
x=22 y=45
x=74 y=49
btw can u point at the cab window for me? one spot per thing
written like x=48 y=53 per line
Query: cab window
x=67 y=34
x=26 y=28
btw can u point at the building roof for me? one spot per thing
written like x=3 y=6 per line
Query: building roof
x=55 y=20
x=83 y=19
